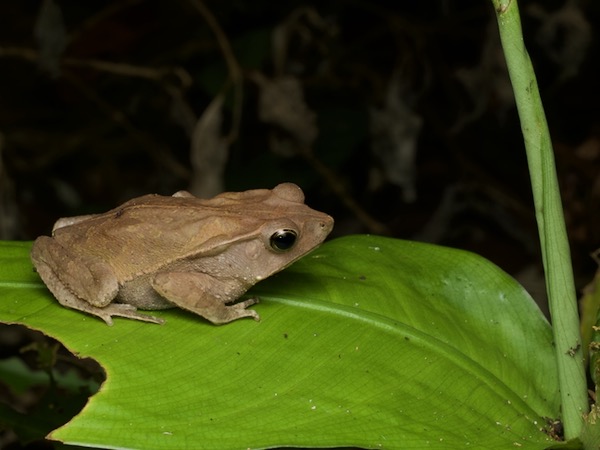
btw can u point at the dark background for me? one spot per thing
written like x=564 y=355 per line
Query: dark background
x=403 y=121
x=395 y=117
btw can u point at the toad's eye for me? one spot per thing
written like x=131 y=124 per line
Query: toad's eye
x=283 y=240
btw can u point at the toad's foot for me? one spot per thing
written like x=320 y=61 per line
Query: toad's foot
x=239 y=309
x=123 y=310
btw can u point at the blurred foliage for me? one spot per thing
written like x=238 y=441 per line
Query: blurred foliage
x=43 y=387
x=416 y=128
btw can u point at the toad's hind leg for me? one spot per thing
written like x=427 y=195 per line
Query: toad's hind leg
x=204 y=295
x=79 y=282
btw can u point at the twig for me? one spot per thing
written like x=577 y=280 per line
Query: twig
x=163 y=157
x=235 y=72
x=149 y=73
x=337 y=186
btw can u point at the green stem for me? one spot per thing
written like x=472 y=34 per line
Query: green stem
x=549 y=214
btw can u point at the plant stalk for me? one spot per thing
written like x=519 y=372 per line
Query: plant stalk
x=556 y=254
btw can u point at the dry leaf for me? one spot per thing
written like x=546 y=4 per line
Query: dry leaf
x=395 y=129
x=487 y=83
x=281 y=103
x=209 y=151
x=565 y=35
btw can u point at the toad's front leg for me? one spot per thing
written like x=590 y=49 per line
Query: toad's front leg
x=204 y=295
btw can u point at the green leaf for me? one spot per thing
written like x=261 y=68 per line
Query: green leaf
x=368 y=342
